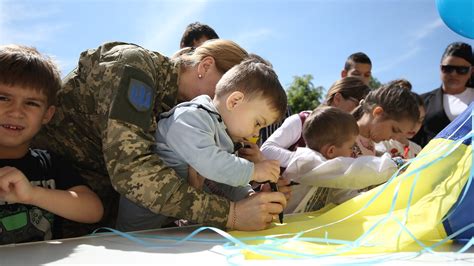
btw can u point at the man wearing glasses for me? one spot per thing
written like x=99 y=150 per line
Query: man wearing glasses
x=452 y=98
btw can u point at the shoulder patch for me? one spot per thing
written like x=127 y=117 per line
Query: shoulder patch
x=135 y=98
x=140 y=95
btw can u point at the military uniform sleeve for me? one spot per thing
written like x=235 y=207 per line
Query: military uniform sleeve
x=138 y=173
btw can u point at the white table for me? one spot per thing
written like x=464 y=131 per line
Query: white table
x=113 y=249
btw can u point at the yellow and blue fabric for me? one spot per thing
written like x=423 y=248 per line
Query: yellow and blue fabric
x=461 y=216
x=421 y=209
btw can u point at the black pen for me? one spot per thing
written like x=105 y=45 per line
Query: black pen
x=292 y=183
x=274 y=188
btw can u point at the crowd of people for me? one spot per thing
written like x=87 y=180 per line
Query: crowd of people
x=132 y=139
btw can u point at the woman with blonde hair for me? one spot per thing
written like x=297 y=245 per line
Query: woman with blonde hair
x=106 y=120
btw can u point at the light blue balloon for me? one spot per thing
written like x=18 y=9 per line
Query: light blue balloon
x=458 y=15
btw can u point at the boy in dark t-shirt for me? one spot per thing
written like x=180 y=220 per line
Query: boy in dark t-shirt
x=35 y=185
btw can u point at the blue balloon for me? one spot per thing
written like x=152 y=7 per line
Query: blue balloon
x=458 y=15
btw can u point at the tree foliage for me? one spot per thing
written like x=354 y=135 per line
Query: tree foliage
x=303 y=95
x=374 y=83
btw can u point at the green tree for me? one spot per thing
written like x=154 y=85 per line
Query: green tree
x=303 y=95
x=374 y=83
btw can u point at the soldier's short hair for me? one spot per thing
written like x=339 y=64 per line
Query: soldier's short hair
x=356 y=58
x=402 y=83
x=255 y=78
x=196 y=31
x=25 y=67
x=328 y=125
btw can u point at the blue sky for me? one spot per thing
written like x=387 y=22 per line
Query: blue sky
x=404 y=38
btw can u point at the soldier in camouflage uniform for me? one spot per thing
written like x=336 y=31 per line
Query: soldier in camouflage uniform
x=106 y=119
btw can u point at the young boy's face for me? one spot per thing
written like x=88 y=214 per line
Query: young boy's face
x=22 y=113
x=361 y=71
x=345 y=150
x=246 y=119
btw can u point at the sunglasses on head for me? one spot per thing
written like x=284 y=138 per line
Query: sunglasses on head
x=461 y=70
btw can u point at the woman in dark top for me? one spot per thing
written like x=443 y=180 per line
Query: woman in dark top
x=452 y=98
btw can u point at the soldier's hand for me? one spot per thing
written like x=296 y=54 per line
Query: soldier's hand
x=14 y=186
x=256 y=212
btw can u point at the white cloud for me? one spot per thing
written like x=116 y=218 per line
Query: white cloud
x=413 y=47
x=65 y=64
x=398 y=60
x=27 y=24
x=36 y=34
x=18 y=12
x=248 y=39
x=171 y=16
x=426 y=30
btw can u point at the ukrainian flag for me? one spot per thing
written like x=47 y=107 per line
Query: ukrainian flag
x=423 y=208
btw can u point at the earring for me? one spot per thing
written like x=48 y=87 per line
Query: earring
x=200 y=76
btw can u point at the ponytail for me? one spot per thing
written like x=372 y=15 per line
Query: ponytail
x=398 y=103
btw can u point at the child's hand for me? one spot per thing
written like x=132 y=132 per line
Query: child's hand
x=251 y=152
x=268 y=170
x=283 y=187
x=195 y=179
x=14 y=186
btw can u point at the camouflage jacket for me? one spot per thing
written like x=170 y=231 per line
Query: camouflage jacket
x=105 y=123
